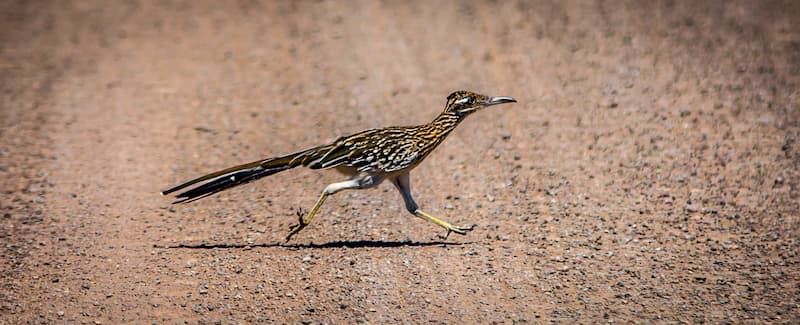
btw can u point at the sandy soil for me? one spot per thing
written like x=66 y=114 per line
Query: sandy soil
x=649 y=172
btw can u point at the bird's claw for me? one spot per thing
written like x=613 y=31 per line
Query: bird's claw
x=456 y=229
x=294 y=229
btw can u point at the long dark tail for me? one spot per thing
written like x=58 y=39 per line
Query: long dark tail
x=237 y=175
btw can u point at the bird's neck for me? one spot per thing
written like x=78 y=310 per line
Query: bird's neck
x=446 y=122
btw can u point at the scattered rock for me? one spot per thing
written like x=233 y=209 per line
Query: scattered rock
x=204 y=129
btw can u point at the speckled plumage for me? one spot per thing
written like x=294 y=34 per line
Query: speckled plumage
x=384 y=150
x=369 y=157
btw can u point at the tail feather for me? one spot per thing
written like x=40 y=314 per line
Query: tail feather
x=216 y=174
x=226 y=181
x=236 y=175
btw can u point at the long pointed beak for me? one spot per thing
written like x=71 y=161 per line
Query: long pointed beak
x=501 y=100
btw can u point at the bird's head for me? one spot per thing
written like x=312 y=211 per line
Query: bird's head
x=463 y=103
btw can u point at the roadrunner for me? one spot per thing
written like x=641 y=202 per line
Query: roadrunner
x=369 y=157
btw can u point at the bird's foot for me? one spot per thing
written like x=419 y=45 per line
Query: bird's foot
x=456 y=229
x=302 y=223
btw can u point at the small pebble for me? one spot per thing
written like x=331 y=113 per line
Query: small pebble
x=691 y=208
x=608 y=103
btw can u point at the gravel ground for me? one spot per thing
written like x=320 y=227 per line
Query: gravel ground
x=648 y=173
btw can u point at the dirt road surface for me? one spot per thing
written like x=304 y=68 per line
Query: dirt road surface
x=648 y=173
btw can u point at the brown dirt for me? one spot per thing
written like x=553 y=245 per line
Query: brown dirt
x=649 y=172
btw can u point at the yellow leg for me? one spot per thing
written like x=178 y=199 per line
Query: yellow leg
x=403 y=184
x=364 y=182
x=305 y=221
x=444 y=224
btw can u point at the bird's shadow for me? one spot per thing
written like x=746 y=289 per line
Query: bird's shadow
x=335 y=244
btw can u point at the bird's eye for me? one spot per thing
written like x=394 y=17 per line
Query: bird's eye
x=464 y=100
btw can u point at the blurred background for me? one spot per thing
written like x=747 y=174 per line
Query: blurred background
x=648 y=172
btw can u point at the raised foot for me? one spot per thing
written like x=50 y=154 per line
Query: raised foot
x=456 y=229
x=302 y=223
